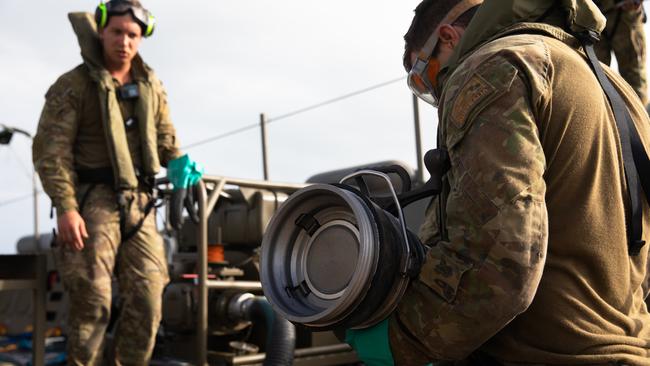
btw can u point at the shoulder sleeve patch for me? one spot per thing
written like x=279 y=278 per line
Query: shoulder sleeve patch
x=471 y=94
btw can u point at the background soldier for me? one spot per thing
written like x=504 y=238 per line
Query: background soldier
x=531 y=261
x=102 y=136
x=624 y=35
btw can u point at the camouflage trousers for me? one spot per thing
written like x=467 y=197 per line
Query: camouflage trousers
x=624 y=35
x=141 y=270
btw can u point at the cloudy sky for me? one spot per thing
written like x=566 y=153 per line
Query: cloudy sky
x=223 y=63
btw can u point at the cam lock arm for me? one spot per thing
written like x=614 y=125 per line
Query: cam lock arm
x=436 y=162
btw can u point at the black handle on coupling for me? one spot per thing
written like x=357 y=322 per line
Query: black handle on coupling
x=436 y=162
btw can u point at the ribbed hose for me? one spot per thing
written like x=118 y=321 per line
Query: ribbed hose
x=281 y=336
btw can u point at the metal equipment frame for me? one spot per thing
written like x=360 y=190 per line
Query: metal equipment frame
x=28 y=272
x=206 y=204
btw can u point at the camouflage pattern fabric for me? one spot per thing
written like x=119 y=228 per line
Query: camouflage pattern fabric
x=530 y=262
x=496 y=222
x=70 y=134
x=70 y=138
x=429 y=232
x=141 y=270
x=625 y=37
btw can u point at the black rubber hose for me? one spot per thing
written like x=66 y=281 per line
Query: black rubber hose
x=281 y=336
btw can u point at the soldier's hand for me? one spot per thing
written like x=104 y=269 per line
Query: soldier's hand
x=72 y=229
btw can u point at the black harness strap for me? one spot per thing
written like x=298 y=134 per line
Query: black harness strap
x=145 y=212
x=84 y=198
x=105 y=176
x=635 y=158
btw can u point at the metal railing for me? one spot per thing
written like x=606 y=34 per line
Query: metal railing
x=206 y=204
x=27 y=272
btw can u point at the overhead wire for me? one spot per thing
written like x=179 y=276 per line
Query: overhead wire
x=18 y=199
x=24 y=167
x=334 y=100
x=255 y=125
x=219 y=137
x=293 y=113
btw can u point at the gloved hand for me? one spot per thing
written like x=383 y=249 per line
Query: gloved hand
x=183 y=173
x=371 y=344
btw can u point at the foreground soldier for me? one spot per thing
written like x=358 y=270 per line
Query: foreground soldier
x=624 y=35
x=531 y=262
x=103 y=134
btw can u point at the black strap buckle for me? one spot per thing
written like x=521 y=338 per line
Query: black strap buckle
x=588 y=37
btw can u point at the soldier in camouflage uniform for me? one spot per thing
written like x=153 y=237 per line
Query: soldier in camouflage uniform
x=96 y=149
x=529 y=261
x=625 y=36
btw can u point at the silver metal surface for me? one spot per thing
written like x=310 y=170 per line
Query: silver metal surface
x=285 y=249
x=321 y=283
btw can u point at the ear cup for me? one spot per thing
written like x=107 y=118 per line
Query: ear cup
x=142 y=16
x=151 y=25
x=101 y=15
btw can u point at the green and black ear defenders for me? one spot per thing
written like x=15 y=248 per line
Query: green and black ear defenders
x=120 y=7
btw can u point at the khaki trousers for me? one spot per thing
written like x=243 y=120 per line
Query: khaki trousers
x=141 y=270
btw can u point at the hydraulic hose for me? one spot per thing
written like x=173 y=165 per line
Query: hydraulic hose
x=281 y=334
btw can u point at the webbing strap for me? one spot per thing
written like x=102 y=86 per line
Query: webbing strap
x=635 y=159
x=147 y=209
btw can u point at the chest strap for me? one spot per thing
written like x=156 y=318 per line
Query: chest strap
x=635 y=159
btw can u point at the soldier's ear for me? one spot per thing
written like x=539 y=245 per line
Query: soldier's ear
x=449 y=35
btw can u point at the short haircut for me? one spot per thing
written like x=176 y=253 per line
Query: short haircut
x=428 y=15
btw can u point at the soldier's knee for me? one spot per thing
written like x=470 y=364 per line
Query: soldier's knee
x=147 y=298
x=91 y=301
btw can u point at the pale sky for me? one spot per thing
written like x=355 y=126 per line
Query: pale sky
x=223 y=63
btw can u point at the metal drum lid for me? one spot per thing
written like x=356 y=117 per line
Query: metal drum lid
x=319 y=254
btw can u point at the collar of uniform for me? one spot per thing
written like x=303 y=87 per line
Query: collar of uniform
x=519 y=28
x=495 y=16
x=538 y=28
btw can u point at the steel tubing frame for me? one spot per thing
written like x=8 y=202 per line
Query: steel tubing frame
x=206 y=204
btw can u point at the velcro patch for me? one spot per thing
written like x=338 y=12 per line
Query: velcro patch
x=472 y=93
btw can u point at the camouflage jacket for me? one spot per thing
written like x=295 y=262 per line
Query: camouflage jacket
x=71 y=134
x=529 y=263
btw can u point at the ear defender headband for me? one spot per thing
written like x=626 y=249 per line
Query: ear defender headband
x=120 y=7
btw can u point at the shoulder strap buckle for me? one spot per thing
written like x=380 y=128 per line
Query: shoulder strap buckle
x=588 y=37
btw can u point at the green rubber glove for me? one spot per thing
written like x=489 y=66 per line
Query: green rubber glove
x=371 y=344
x=183 y=172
